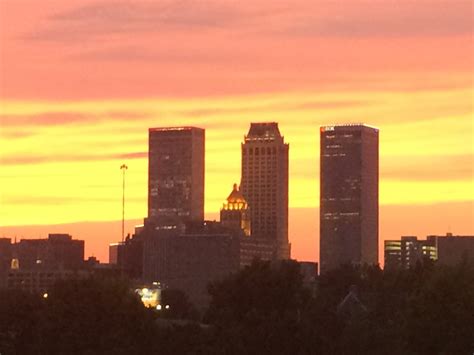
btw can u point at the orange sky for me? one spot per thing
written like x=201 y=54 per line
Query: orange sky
x=81 y=82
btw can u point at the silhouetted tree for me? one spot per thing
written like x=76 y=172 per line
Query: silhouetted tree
x=176 y=305
x=94 y=316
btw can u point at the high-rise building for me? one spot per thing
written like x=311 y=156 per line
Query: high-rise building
x=265 y=185
x=349 y=175
x=176 y=174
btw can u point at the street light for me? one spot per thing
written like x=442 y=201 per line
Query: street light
x=123 y=168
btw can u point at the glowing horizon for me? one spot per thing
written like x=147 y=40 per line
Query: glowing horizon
x=81 y=82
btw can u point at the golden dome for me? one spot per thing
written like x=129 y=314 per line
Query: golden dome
x=236 y=200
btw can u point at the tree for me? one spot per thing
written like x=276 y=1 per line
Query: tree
x=259 y=309
x=94 y=316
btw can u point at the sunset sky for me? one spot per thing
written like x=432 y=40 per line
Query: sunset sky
x=82 y=81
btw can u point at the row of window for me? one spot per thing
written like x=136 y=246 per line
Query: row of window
x=257 y=151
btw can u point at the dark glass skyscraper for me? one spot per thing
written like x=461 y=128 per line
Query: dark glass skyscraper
x=349 y=180
x=265 y=185
x=176 y=174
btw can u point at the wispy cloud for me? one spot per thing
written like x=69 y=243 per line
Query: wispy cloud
x=357 y=18
x=388 y=18
x=410 y=168
x=133 y=17
x=66 y=118
x=22 y=159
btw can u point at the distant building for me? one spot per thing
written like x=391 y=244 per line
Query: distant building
x=408 y=251
x=253 y=248
x=190 y=261
x=452 y=249
x=58 y=251
x=40 y=281
x=180 y=250
x=176 y=175
x=235 y=213
x=128 y=255
x=5 y=259
x=34 y=265
x=349 y=176
x=265 y=185
x=116 y=251
x=446 y=250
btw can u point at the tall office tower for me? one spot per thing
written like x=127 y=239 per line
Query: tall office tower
x=176 y=174
x=265 y=185
x=349 y=203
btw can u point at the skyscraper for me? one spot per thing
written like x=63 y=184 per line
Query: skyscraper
x=265 y=185
x=349 y=178
x=176 y=174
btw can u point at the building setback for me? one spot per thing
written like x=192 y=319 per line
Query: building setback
x=265 y=185
x=349 y=174
x=176 y=174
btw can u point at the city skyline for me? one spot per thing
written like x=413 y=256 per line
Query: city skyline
x=70 y=117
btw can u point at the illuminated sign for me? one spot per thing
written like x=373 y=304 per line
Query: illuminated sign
x=150 y=297
x=327 y=128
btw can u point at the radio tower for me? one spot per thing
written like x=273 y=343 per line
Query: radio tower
x=123 y=168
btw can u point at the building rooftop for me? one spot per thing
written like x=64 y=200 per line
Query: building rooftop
x=264 y=130
x=166 y=129
x=346 y=125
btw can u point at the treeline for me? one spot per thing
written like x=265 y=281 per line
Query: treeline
x=264 y=309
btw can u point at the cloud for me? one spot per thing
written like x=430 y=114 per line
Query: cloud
x=357 y=18
x=433 y=168
x=111 y=18
x=387 y=18
x=43 y=159
x=66 y=118
x=14 y=134
x=69 y=118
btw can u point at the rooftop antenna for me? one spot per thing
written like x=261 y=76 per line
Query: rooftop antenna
x=123 y=168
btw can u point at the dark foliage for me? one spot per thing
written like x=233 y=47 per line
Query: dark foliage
x=264 y=309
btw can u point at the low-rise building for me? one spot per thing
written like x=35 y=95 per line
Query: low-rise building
x=409 y=250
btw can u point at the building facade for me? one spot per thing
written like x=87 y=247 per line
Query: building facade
x=176 y=174
x=206 y=252
x=127 y=256
x=453 y=249
x=349 y=175
x=265 y=185
x=445 y=250
x=408 y=251
x=57 y=252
